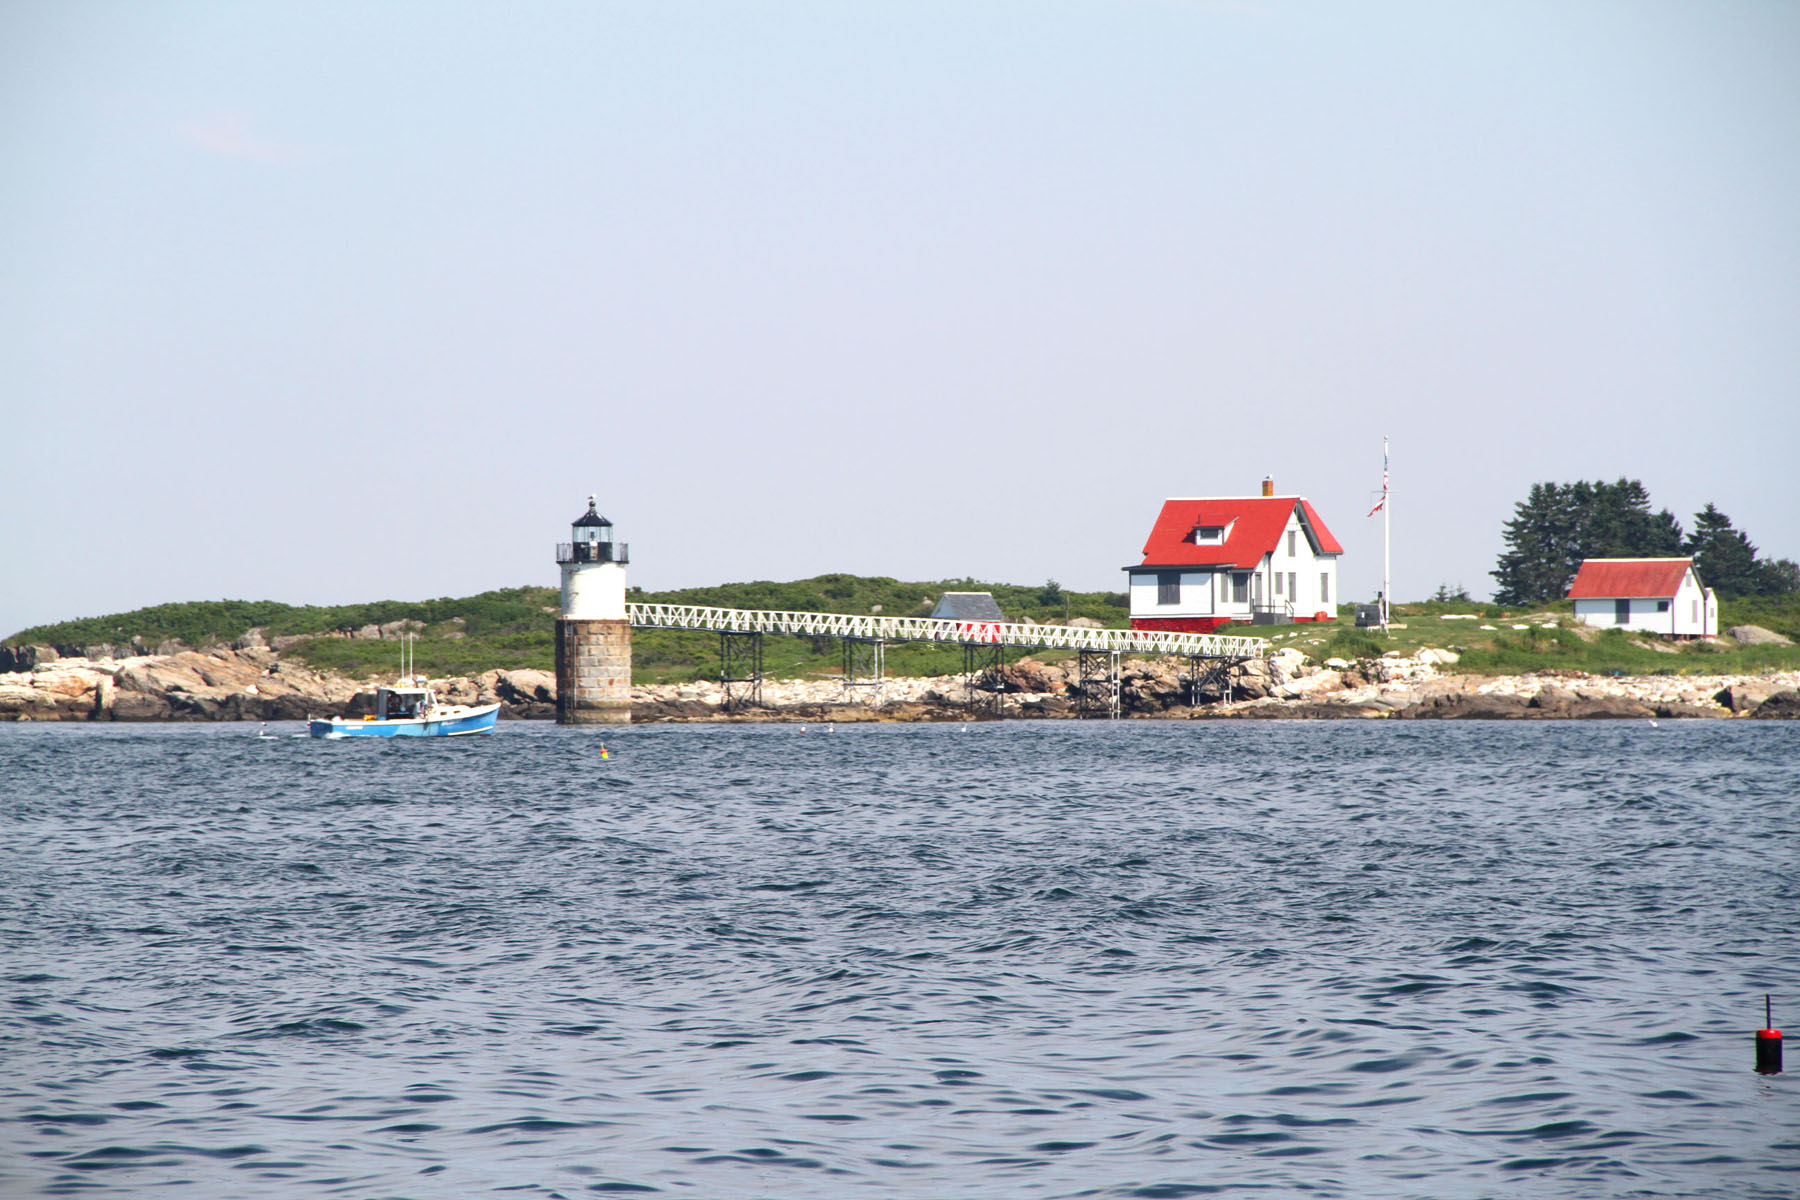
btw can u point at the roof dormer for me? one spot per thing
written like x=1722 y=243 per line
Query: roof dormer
x=1212 y=529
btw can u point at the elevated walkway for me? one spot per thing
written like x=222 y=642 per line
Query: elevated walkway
x=1096 y=683
x=1148 y=642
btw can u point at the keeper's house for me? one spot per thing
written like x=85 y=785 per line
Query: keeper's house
x=1210 y=561
x=1645 y=595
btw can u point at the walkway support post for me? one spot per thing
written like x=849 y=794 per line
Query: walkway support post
x=865 y=666
x=1097 y=680
x=983 y=659
x=1208 y=675
x=741 y=669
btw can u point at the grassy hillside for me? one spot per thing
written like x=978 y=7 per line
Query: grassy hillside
x=1512 y=641
x=514 y=627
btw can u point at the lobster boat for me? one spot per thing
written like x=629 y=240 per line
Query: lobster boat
x=411 y=712
x=410 y=709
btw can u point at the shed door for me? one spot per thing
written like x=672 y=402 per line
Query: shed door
x=1621 y=612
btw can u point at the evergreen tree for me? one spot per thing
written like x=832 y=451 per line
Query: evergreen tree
x=1620 y=524
x=1724 y=556
x=1778 y=577
x=1663 y=537
x=1532 y=566
x=1559 y=525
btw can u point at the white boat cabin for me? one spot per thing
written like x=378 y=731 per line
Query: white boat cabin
x=402 y=703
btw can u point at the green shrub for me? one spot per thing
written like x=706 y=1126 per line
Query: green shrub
x=1352 y=643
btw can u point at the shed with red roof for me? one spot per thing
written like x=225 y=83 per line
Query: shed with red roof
x=1213 y=560
x=1645 y=595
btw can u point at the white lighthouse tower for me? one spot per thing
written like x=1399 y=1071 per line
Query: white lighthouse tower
x=593 y=636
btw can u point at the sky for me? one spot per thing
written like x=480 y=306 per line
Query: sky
x=332 y=302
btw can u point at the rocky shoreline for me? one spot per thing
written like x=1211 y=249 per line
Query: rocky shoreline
x=254 y=683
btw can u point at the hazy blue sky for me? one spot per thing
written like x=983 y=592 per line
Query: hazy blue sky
x=325 y=302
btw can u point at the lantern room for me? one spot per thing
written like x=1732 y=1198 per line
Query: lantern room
x=591 y=541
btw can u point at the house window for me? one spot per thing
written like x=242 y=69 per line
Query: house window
x=1696 y=616
x=1324 y=588
x=1662 y=606
x=1278 y=583
x=1293 y=585
x=1621 y=612
x=1291 y=535
x=1240 y=587
x=1209 y=535
x=1168 y=587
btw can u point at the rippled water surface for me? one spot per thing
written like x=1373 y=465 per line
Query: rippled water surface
x=1026 y=959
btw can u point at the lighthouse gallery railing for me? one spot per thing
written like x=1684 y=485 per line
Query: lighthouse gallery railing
x=927 y=629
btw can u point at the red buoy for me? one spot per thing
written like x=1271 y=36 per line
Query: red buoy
x=1768 y=1044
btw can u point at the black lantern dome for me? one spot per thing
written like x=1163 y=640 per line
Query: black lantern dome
x=591 y=520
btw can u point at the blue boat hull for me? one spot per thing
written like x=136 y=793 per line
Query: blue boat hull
x=464 y=724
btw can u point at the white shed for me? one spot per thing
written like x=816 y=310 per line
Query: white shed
x=1645 y=595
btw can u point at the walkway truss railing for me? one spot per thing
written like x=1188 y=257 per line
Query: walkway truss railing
x=1149 y=642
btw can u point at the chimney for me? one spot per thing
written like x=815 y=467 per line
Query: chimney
x=1268 y=485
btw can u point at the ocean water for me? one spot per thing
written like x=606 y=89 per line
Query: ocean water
x=1142 y=959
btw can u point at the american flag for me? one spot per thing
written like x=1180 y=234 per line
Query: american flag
x=1384 y=479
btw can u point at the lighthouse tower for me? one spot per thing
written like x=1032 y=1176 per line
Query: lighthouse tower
x=593 y=636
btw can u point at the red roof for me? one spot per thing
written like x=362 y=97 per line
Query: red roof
x=1601 y=578
x=1259 y=521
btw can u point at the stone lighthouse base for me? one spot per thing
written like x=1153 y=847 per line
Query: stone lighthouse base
x=593 y=672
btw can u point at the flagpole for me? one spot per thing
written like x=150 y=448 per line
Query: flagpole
x=1381 y=506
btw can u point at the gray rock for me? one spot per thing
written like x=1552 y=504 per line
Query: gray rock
x=1677 y=710
x=1742 y=697
x=1756 y=635
x=1609 y=707
x=1782 y=706
x=1552 y=699
x=526 y=686
x=1470 y=706
x=1029 y=675
x=140 y=706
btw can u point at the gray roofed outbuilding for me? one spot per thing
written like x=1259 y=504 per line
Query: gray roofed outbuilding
x=967 y=606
